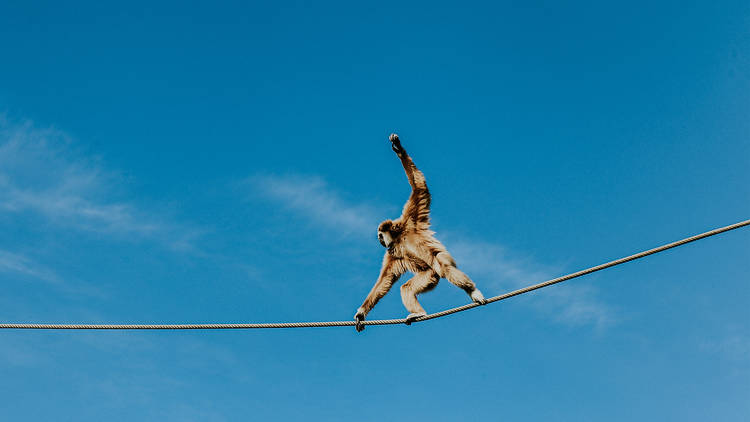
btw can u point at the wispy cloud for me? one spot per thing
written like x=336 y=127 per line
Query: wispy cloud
x=29 y=268
x=488 y=263
x=733 y=345
x=19 y=264
x=493 y=265
x=19 y=352
x=312 y=198
x=42 y=173
x=141 y=374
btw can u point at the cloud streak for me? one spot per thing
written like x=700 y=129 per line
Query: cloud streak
x=733 y=346
x=43 y=175
x=19 y=264
x=312 y=198
x=571 y=305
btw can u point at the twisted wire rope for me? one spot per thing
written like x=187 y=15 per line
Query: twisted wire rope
x=318 y=324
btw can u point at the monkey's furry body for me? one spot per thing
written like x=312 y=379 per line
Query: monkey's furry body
x=412 y=247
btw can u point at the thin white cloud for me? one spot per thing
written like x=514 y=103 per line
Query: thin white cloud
x=493 y=265
x=31 y=269
x=20 y=264
x=17 y=351
x=734 y=345
x=312 y=198
x=42 y=174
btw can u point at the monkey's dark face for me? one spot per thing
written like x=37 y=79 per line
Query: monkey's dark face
x=387 y=233
x=385 y=239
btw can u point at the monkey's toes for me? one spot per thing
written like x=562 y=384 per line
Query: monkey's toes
x=393 y=138
x=414 y=315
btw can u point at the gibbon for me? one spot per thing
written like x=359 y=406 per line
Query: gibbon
x=412 y=247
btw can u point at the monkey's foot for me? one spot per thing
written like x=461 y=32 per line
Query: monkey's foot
x=478 y=297
x=414 y=315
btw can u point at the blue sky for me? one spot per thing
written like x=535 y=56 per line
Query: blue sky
x=229 y=163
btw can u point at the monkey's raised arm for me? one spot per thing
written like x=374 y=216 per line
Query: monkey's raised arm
x=417 y=209
x=390 y=272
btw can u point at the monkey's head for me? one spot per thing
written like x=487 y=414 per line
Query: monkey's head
x=388 y=233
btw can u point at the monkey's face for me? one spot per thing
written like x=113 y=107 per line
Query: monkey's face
x=385 y=239
x=386 y=233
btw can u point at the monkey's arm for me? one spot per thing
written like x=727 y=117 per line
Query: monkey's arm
x=417 y=208
x=389 y=274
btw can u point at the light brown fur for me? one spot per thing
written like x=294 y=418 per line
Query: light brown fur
x=412 y=247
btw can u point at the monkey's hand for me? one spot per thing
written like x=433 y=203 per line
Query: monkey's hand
x=396 y=144
x=359 y=317
x=478 y=297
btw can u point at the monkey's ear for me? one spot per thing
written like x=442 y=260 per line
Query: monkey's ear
x=397 y=228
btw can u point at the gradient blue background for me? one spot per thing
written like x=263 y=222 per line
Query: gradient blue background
x=188 y=162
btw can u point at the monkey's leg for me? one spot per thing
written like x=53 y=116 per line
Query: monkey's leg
x=458 y=278
x=420 y=283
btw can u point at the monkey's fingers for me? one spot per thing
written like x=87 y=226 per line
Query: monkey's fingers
x=478 y=297
x=359 y=326
x=395 y=143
